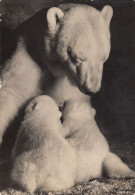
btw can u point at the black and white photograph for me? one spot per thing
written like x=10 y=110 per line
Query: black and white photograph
x=67 y=97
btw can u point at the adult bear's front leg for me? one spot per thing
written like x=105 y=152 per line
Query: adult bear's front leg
x=20 y=82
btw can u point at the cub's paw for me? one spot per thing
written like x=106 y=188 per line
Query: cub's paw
x=115 y=168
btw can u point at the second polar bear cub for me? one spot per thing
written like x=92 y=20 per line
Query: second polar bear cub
x=90 y=146
x=85 y=139
x=41 y=157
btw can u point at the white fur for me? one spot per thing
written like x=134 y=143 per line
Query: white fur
x=20 y=81
x=90 y=146
x=115 y=168
x=85 y=138
x=22 y=78
x=42 y=158
x=51 y=18
x=72 y=58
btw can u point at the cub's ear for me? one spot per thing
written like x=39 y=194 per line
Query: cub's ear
x=54 y=15
x=107 y=13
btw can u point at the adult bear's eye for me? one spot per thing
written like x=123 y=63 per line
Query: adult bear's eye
x=74 y=58
x=77 y=61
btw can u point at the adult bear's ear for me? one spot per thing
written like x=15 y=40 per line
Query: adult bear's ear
x=107 y=13
x=54 y=15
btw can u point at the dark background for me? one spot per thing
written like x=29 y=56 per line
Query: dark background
x=115 y=103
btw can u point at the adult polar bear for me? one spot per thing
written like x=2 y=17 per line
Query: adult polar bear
x=56 y=53
x=59 y=51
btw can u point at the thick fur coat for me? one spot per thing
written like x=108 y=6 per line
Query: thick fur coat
x=41 y=157
x=52 y=156
x=57 y=53
x=61 y=55
x=91 y=148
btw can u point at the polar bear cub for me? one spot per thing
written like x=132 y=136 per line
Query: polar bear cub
x=90 y=146
x=41 y=157
x=85 y=138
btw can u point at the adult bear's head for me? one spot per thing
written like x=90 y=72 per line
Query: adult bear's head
x=80 y=36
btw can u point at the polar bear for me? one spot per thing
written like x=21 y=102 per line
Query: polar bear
x=41 y=156
x=81 y=156
x=57 y=53
x=85 y=139
x=93 y=155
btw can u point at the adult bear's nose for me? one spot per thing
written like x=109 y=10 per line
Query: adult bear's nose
x=85 y=90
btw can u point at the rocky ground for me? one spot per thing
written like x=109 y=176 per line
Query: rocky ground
x=93 y=187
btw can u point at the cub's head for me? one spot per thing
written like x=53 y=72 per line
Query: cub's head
x=79 y=36
x=43 y=107
x=76 y=109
